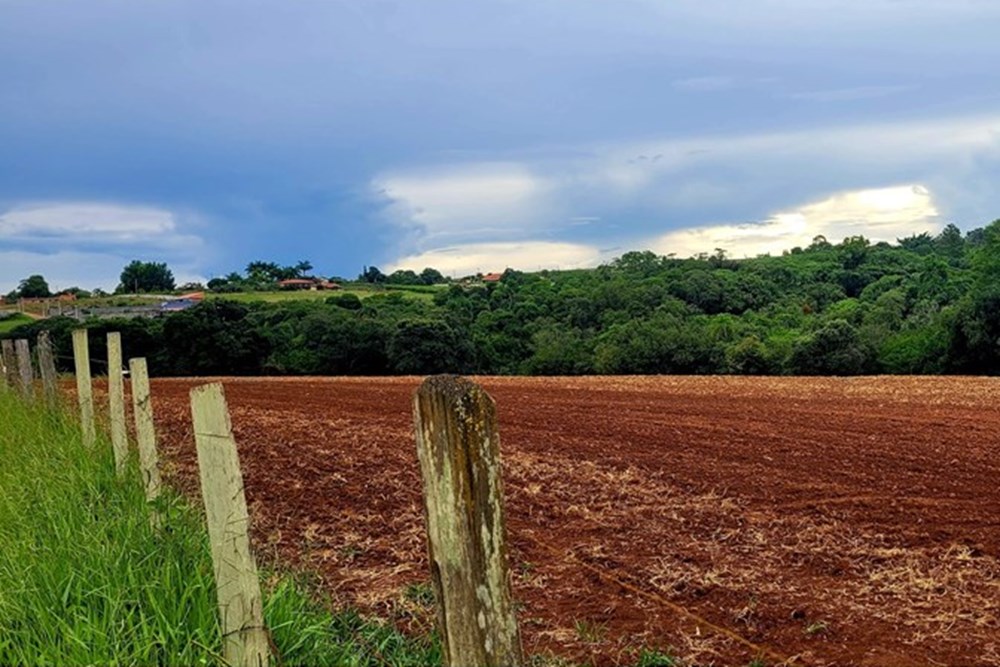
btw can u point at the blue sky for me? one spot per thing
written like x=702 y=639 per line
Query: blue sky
x=478 y=135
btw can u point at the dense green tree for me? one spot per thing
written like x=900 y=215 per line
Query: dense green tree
x=213 y=338
x=403 y=277
x=950 y=244
x=430 y=276
x=140 y=276
x=748 y=357
x=347 y=301
x=835 y=349
x=557 y=352
x=371 y=274
x=424 y=347
x=33 y=287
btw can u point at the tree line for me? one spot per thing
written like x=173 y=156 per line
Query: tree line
x=140 y=277
x=926 y=304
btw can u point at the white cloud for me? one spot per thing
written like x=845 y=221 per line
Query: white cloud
x=464 y=201
x=87 y=243
x=685 y=194
x=60 y=269
x=883 y=214
x=879 y=214
x=467 y=259
x=894 y=143
x=93 y=224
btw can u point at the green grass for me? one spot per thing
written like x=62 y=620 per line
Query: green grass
x=13 y=322
x=421 y=292
x=85 y=579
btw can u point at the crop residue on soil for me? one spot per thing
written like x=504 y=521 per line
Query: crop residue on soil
x=833 y=521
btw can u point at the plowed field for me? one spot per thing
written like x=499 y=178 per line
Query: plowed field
x=822 y=521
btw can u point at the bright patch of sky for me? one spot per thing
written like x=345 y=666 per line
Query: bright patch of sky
x=476 y=136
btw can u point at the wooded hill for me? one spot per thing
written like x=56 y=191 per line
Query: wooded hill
x=927 y=304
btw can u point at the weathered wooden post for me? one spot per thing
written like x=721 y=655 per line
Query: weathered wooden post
x=3 y=376
x=459 y=449
x=145 y=430
x=116 y=401
x=9 y=362
x=25 y=372
x=84 y=390
x=245 y=640
x=47 y=366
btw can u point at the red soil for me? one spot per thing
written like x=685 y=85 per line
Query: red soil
x=818 y=521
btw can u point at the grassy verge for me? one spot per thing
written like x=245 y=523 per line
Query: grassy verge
x=84 y=579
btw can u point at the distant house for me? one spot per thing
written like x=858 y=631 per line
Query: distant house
x=177 y=305
x=307 y=283
x=182 y=302
x=492 y=277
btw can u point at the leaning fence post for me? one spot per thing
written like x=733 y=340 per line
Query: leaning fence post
x=245 y=640
x=27 y=376
x=84 y=390
x=459 y=449
x=47 y=366
x=9 y=362
x=145 y=430
x=116 y=400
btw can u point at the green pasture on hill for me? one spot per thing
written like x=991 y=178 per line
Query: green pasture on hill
x=13 y=322
x=362 y=292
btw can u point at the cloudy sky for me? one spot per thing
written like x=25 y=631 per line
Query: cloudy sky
x=472 y=136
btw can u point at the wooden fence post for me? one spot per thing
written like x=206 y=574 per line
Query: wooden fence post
x=116 y=401
x=9 y=362
x=459 y=449
x=84 y=390
x=145 y=430
x=47 y=366
x=25 y=372
x=245 y=639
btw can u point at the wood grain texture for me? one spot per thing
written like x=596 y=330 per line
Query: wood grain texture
x=9 y=362
x=25 y=372
x=459 y=450
x=245 y=639
x=47 y=366
x=116 y=401
x=84 y=388
x=145 y=429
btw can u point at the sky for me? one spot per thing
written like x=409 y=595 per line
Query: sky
x=476 y=136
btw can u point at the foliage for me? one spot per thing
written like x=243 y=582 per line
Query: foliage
x=32 y=287
x=147 y=277
x=11 y=321
x=371 y=274
x=87 y=580
x=929 y=304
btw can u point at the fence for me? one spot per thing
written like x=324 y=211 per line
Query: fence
x=458 y=448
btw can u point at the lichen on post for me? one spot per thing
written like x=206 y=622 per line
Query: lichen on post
x=458 y=445
x=116 y=401
x=145 y=428
x=26 y=373
x=84 y=388
x=9 y=362
x=47 y=366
